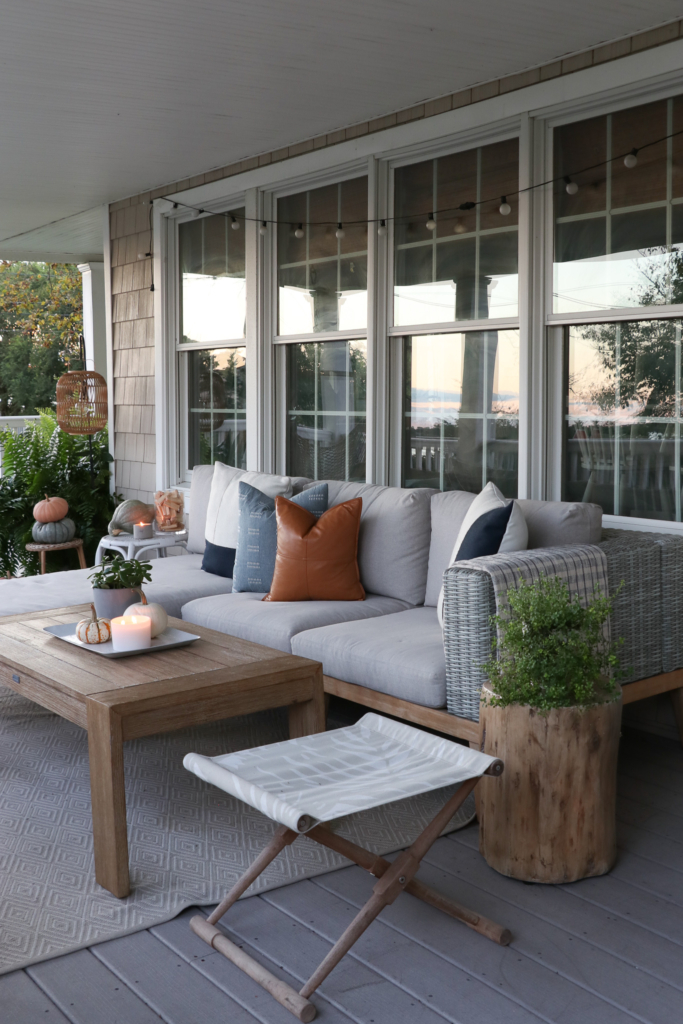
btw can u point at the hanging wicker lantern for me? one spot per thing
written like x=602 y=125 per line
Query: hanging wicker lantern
x=82 y=402
x=82 y=406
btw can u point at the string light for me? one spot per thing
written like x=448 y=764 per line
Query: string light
x=630 y=160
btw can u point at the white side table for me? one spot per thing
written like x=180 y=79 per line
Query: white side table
x=126 y=545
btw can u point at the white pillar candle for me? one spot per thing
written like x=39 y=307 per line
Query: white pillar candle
x=131 y=632
x=142 y=531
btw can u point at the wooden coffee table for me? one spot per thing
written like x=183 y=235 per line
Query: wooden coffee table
x=120 y=699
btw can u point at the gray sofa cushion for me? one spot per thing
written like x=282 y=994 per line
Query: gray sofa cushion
x=401 y=654
x=394 y=537
x=274 y=624
x=554 y=523
x=175 y=580
x=550 y=524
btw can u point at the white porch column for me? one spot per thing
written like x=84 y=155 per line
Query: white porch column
x=94 y=320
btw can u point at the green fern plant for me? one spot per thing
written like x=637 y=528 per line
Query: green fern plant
x=43 y=459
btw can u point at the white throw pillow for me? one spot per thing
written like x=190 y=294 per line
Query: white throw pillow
x=515 y=538
x=223 y=509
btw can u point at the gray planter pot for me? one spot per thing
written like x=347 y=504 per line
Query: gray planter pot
x=110 y=603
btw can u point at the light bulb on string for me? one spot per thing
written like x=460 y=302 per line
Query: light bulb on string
x=194 y=213
x=571 y=187
x=431 y=223
x=504 y=209
x=339 y=233
x=234 y=223
x=631 y=159
x=382 y=228
x=299 y=232
x=460 y=228
x=263 y=230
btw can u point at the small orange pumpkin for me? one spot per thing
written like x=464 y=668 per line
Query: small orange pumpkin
x=51 y=510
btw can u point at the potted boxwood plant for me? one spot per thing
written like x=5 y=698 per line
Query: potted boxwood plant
x=552 y=713
x=116 y=584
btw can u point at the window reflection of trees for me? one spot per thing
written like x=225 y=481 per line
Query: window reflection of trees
x=217 y=407
x=622 y=444
x=327 y=410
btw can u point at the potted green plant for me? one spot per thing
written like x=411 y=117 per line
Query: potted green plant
x=552 y=713
x=116 y=584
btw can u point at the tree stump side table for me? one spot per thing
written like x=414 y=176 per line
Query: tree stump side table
x=42 y=550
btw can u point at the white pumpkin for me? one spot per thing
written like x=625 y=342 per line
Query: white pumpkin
x=155 y=612
x=93 y=630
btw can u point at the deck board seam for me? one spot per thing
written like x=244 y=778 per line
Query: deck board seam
x=482 y=980
x=320 y=997
x=232 y=932
x=139 y=995
x=582 y=938
x=58 y=1008
x=623 y=917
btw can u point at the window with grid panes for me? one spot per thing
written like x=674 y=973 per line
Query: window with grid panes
x=322 y=287
x=619 y=238
x=466 y=267
x=212 y=318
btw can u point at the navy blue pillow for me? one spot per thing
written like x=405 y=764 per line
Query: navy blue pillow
x=218 y=560
x=486 y=533
x=257 y=539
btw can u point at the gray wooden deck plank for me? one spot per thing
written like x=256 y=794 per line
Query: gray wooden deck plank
x=439 y=983
x=652 y=794
x=661 y=750
x=352 y=987
x=88 y=993
x=640 y=904
x=177 y=935
x=513 y=971
x=634 y=812
x=22 y=1002
x=167 y=983
x=469 y=880
x=656 y=849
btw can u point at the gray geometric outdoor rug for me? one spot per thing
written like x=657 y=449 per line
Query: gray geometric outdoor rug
x=188 y=840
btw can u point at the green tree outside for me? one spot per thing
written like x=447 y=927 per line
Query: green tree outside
x=41 y=318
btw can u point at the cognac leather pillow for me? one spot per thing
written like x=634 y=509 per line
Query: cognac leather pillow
x=317 y=558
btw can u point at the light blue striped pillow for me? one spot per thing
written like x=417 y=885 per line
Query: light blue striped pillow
x=257 y=537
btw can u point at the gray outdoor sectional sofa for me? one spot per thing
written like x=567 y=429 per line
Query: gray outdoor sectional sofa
x=390 y=645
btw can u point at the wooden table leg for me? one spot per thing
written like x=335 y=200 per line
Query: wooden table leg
x=42 y=563
x=81 y=557
x=677 y=702
x=308 y=716
x=108 y=798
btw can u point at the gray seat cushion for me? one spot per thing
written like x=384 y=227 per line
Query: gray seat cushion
x=401 y=654
x=395 y=530
x=175 y=580
x=275 y=623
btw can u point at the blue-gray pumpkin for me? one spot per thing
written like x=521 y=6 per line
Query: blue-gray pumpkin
x=128 y=513
x=54 y=533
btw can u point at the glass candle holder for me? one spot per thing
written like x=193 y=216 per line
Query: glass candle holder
x=131 y=632
x=142 y=531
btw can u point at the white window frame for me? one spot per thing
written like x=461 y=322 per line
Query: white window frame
x=638 y=78
x=554 y=323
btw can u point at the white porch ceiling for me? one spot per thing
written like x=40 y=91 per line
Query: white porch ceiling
x=101 y=100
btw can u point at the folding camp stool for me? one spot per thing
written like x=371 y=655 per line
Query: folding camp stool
x=312 y=779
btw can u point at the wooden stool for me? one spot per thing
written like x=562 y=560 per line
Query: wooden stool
x=42 y=549
x=303 y=783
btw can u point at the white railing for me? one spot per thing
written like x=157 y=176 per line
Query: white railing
x=17 y=423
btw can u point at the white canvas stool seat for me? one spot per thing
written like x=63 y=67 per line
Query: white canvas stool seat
x=304 y=782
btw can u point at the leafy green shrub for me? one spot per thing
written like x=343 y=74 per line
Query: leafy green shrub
x=118 y=573
x=552 y=651
x=43 y=459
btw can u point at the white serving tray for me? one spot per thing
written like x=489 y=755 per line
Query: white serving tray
x=164 y=642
